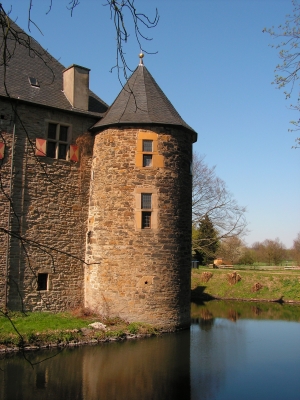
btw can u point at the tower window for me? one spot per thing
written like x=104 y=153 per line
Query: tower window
x=148 y=145
x=57 y=143
x=42 y=281
x=146 y=204
x=147 y=148
x=147 y=160
x=146 y=219
x=146 y=201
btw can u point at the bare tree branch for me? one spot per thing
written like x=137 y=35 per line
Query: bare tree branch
x=287 y=71
x=118 y=14
x=212 y=198
x=124 y=16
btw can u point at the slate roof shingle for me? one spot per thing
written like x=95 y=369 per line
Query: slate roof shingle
x=25 y=63
x=141 y=101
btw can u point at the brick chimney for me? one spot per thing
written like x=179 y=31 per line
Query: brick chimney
x=76 y=86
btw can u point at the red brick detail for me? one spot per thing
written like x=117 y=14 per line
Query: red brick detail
x=74 y=153
x=40 y=147
x=2 y=148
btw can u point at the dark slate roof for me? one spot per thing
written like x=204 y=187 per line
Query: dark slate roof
x=141 y=101
x=25 y=63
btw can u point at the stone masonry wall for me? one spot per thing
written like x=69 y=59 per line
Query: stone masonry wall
x=6 y=127
x=50 y=205
x=140 y=274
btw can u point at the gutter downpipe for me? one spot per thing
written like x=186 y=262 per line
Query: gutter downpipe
x=8 y=219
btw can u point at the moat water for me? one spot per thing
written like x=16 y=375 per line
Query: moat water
x=241 y=351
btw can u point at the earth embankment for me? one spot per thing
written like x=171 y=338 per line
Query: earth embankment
x=250 y=285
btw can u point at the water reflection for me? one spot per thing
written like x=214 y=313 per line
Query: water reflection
x=147 y=369
x=144 y=369
x=247 y=350
x=232 y=351
x=234 y=310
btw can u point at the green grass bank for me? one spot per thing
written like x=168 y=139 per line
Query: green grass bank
x=251 y=285
x=40 y=330
x=45 y=330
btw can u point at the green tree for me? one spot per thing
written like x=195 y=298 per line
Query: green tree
x=247 y=257
x=205 y=241
x=258 y=251
x=274 y=251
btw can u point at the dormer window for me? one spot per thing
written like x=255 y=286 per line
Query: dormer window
x=34 y=82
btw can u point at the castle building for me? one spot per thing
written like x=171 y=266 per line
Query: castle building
x=95 y=200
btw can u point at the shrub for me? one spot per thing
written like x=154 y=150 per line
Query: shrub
x=233 y=278
x=205 y=276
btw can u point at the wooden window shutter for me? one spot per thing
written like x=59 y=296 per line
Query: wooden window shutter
x=2 y=148
x=40 y=147
x=74 y=153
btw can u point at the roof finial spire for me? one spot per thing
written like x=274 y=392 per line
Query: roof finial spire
x=141 y=55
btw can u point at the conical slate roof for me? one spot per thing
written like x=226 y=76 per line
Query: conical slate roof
x=141 y=101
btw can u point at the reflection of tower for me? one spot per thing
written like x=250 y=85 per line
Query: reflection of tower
x=139 y=242
x=152 y=369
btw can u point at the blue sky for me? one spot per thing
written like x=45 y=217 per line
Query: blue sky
x=216 y=67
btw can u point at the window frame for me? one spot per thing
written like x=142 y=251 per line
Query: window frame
x=147 y=160
x=147 y=153
x=146 y=208
x=146 y=219
x=57 y=141
x=157 y=158
x=147 y=141
x=138 y=192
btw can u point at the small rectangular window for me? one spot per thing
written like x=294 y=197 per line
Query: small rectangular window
x=146 y=204
x=62 y=151
x=51 y=149
x=146 y=201
x=57 y=141
x=147 y=160
x=52 y=131
x=148 y=145
x=146 y=219
x=147 y=148
x=42 y=281
x=63 y=133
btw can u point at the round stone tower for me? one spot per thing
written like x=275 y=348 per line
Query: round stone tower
x=139 y=228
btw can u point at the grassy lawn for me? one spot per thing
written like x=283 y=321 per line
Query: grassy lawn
x=44 y=329
x=253 y=285
x=40 y=322
x=41 y=329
